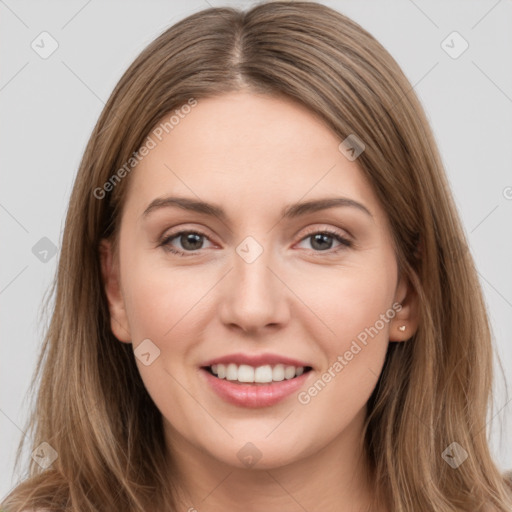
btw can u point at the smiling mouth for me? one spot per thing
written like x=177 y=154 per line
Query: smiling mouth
x=265 y=374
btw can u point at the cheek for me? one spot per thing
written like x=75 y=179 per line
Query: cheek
x=162 y=302
x=353 y=304
x=163 y=306
x=169 y=307
x=357 y=309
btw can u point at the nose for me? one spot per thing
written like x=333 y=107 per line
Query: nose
x=254 y=297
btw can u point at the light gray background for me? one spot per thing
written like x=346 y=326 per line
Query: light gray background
x=49 y=107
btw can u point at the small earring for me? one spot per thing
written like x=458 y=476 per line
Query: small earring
x=402 y=328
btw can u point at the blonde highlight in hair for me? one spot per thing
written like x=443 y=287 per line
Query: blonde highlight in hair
x=92 y=406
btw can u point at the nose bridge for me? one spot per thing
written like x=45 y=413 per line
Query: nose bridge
x=253 y=297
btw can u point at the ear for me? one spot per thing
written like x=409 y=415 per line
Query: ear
x=405 y=322
x=111 y=283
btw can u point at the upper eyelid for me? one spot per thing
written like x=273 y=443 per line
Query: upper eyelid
x=309 y=232
x=200 y=231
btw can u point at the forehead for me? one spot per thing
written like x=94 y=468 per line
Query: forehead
x=247 y=150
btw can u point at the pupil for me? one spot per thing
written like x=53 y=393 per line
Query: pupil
x=322 y=238
x=191 y=241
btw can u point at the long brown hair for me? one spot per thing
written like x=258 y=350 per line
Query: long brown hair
x=92 y=407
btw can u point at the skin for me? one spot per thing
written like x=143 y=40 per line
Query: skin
x=253 y=155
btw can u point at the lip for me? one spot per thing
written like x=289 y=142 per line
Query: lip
x=253 y=395
x=256 y=360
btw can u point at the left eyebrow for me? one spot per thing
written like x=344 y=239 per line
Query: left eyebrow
x=297 y=209
x=291 y=211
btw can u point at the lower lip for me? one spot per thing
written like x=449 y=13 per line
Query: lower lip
x=254 y=395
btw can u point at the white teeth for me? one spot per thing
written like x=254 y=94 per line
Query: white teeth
x=289 y=372
x=232 y=372
x=245 y=373
x=221 y=371
x=261 y=374
x=278 y=372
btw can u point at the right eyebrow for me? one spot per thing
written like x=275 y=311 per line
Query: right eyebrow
x=186 y=204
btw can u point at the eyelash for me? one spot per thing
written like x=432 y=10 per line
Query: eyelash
x=345 y=243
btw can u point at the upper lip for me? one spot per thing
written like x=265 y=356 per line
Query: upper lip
x=255 y=360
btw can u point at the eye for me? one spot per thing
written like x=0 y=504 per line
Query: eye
x=322 y=241
x=190 y=241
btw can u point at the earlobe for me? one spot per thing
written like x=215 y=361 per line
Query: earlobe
x=111 y=283
x=405 y=323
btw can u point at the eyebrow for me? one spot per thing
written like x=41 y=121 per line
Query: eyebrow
x=289 y=212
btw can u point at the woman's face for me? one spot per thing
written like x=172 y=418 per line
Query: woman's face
x=261 y=288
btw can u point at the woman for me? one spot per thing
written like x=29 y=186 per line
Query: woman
x=263 y=299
